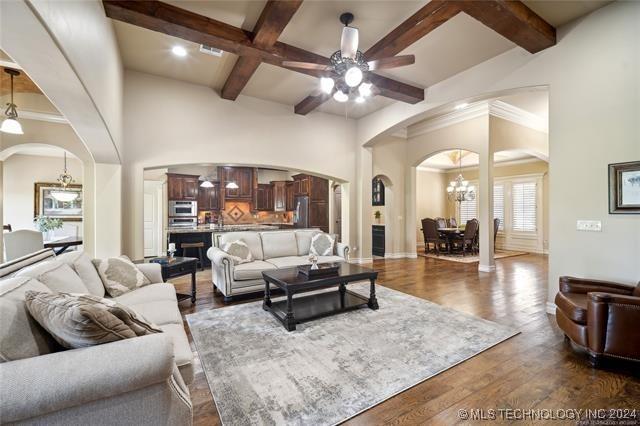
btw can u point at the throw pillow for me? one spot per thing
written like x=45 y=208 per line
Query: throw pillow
x=119 y=275
x=75 y=323
x=322 y=244
x=80 y=262
x=131 y=318
x=239 y=252
x=56 y=275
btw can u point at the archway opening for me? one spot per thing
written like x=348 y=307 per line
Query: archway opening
x=31 y=189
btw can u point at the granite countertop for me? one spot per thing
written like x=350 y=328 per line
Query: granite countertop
x=224 y=228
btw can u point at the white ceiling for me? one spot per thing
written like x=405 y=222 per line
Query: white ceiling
x=455 y=46
x=448 y=160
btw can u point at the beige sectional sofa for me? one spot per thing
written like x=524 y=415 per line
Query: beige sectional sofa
x=141 y=380
x=270 y=250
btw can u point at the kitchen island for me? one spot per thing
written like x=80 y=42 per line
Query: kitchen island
x=204 y=233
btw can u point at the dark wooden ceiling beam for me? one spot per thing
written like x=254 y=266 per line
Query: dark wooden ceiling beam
x=167 y=19
x=310 y=103
x=514 y=21
x=421 y=23
x=274 y=18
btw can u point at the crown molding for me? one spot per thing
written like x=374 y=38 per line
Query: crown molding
x=516 y=115
x=495 y=108
x=42 y=116
x=9 y=64
x=432 y=169
x=400 y=133
x=476 y=166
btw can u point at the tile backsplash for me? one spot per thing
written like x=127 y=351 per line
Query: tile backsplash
x=240 y=213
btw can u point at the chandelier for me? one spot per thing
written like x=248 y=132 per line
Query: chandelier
x=63 y=194
x=459 y=189
x=11 y=123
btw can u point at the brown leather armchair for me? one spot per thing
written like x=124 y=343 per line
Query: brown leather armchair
x=600 y=316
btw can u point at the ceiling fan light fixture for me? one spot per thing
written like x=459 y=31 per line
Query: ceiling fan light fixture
x=326 y=84
x=340 y=96
x=365 y=89
x=353 y=76
x=359 y=100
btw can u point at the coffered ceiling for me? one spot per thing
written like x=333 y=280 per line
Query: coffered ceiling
x=460 y=43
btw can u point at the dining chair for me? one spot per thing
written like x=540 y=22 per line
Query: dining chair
x=441 y=222
x=21 y=242
x=468 y=240
x=453 y=223
x=432 y=236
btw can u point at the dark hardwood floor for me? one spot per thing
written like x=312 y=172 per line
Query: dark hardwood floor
x=535 y=369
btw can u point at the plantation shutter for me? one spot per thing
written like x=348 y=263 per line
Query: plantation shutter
x=468 y=211
x=524 y=206
x=498 y=204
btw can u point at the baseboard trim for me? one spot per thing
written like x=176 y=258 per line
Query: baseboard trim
x=400 y=256
x=486 y=268
x=551 y=308
x=361 y=260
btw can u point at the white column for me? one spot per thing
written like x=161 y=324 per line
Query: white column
x=1 y=210
x=411 y=237
x=108 y=210
x=364 y=175
x=485 y=207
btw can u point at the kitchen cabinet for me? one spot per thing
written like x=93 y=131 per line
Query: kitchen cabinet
x=301 y=184
x=264 y=197
x=209 y=198
x=243 y=177
x=317 y=189
x=182 y=187
x=279 y=194
x=289 y=205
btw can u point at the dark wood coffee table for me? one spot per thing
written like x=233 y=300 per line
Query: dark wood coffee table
x=292 y=311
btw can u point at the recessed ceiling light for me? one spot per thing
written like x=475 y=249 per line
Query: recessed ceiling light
x=462 y=105
x=179 y=51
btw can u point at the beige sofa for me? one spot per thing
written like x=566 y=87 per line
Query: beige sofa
x=270 y=250
x=134 y=381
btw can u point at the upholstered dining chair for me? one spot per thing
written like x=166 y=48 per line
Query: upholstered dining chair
x=21 y=242
x=441 y=222
x=453 y=223
x=467 y=242
x=432 y=236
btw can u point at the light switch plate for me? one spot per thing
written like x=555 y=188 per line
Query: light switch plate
x=589 y=225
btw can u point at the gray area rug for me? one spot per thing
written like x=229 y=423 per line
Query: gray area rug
x=333 y=368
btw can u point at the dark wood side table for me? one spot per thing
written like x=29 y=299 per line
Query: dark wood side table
x=177 y=267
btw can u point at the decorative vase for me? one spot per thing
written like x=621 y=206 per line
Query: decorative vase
x=48 y=235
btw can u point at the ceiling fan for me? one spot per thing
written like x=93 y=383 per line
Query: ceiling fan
x=348 y=66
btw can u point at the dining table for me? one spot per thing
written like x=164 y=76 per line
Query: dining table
x=450 y=234
x=60 y=245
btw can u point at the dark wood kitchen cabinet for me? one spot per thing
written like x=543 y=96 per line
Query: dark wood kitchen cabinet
x=279 y=194
x=209 y=198
x=317 y=189
x=264 y=197
x=182 y=187
x=289 y=205
x=243 y=177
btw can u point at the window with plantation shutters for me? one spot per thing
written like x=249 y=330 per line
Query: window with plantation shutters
x=498 y=204
x=523 y=200
x=468 y=210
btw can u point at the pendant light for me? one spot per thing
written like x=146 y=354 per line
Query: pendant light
x=231 y=185
x=65 y=179
x=11 y=123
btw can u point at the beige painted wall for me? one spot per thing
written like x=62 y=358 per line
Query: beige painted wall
x=19 y=175
x=197 y=126
x=431 y=198
x=592 y=75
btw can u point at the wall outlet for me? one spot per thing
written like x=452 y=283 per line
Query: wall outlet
x=589 y=225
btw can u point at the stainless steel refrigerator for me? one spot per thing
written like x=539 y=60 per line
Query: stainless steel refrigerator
x=301 y=212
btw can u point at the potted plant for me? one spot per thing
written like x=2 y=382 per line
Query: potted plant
x=47 y=225
x=377 y=215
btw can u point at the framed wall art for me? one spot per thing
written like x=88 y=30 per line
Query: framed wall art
x=624 y=188
x=46 y=205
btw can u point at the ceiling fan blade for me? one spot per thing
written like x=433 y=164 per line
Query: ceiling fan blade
x=307 y=65
x=349 y=42
x=391 y=62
